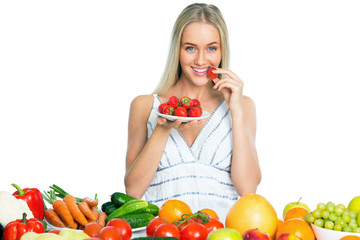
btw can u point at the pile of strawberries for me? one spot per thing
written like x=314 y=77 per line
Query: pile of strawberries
x=181 y=107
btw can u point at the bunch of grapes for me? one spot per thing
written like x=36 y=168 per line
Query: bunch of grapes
x=334 y=217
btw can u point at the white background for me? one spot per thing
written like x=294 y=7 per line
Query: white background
x=69 y=70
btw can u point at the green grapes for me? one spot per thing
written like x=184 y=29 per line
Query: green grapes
x=334 y=217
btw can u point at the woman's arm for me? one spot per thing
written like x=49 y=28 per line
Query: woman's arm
x=143 y=157
x=245 y=169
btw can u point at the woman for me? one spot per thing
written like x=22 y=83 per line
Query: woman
x=207 y=163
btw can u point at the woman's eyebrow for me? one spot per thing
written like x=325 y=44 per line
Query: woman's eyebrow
x=193 y=44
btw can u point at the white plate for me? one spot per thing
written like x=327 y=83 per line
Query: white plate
x=138 y=229
x=205 y=114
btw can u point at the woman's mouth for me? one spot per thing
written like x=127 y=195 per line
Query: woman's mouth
x=200 y=71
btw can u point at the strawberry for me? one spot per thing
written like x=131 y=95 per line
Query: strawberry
x=173 y=101
x=196 y=103
x=186 y=102
x=168 y=110
x=195 y=112
x=180 y=112
x=211 y=74
x=161 y=107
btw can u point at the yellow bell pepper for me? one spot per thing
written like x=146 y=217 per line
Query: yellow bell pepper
x=41 y=236
x=65 y=234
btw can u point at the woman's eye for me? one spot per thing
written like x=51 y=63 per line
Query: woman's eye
x=212 y=48
x=189 y=48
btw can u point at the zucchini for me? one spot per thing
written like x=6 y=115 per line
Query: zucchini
x=119 y=199
x=132 y=206
x=137 y=220
x=155 y=238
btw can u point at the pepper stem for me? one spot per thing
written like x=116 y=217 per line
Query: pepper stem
x=24 y=218
x=21 y=192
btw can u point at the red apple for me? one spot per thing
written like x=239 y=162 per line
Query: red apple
x=288 y=236
x=255 y=234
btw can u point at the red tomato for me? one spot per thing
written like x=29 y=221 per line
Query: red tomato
x=92 y=229
x=213 y=224
x=191 y=220
x=110 y=233
x=123 y=226
x=92 y=238
x=211 y=74
x=167 y=230
x=180 y=112
x=56 y=231
x=194 y=231
x=173 y=101
x=152 y=225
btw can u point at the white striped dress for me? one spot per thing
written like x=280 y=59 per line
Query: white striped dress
x=200 y=174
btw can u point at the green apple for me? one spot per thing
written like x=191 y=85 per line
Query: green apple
x=224 y=234
x=354 y=205
x=294 y=204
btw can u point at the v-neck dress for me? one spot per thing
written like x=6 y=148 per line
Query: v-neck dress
x=200 y=174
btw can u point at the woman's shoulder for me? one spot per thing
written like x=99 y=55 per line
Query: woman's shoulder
x=142 y=104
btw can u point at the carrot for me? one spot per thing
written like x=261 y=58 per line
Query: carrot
x=61 y=208
x=74 y=210
x=90 y=201
x=53 y=218
x=101 y=219
x=95 y=211
x=85 y=209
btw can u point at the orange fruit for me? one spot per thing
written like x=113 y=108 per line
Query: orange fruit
x=296 y=212
x=211 y=213
x=298 y=227
x=350 y=237
x=173 y=209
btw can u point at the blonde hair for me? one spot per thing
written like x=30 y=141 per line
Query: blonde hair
x=197 y=12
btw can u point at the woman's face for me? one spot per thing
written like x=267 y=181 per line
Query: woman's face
x=200 y=49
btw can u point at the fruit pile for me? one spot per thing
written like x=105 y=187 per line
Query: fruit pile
x=334 y=217
x=181 y=107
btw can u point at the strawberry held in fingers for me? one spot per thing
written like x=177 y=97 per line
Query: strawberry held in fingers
x=186 y=102
x=211 y=74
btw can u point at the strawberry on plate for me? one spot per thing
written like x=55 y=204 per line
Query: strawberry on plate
x=186 y=102
x=195 y=112
x=180 y=112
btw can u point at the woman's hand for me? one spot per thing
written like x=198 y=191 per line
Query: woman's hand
x=231 y=86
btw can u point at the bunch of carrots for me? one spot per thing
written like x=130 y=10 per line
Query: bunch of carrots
x=70 y=211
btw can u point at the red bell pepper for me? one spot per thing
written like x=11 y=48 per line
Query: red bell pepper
x=15 y=229
x=33 y=198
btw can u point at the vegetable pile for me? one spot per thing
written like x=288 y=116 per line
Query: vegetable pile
x=181 y=107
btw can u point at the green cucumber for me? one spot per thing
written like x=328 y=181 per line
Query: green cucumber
x=137 y=220
x=132 y=206
x=119 y=199
x=106 y=205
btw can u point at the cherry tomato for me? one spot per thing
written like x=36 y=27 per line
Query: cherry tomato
x=92 y=229
x=56 y=231
x=194 y=231
x=123 y=226
x=152 y=225
x=167 y=230
x=110 y=233
x=211 y=74
x=213 y=224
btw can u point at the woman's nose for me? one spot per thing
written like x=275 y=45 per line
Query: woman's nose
x=200 y=58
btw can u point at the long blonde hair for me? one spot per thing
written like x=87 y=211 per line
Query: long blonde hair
x=197 y=12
